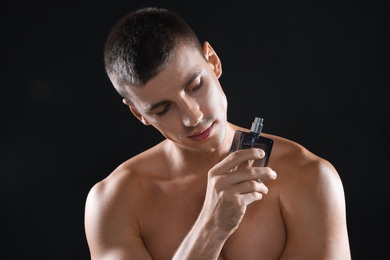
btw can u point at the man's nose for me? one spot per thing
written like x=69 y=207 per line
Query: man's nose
x=191 y=113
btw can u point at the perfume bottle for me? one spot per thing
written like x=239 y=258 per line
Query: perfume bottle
x=253 y=139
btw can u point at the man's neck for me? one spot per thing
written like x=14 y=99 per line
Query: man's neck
x=196 y=162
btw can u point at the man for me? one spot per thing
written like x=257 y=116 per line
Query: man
x=187 y=197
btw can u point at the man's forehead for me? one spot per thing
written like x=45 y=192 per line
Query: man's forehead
x=156 y=92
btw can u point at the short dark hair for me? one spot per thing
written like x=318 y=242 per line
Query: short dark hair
x=142 y=43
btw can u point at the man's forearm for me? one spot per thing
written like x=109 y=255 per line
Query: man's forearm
x=204 y=241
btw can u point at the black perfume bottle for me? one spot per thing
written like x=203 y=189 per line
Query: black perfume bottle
x=253 y=139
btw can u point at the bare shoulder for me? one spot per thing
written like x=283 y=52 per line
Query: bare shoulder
x=112 y=205
x=124 y=184
x=303 y=175
x=119 y=183
x=294 y=160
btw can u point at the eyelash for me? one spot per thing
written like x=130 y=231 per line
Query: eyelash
x=197 y=86
x=166 y=108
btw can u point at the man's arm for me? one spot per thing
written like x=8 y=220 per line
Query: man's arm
x=313 y=208
x=109 y=236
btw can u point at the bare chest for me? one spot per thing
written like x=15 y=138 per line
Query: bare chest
x=167 y=218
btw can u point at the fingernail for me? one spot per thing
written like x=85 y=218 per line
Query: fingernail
x=274 y=175
x=261 y=153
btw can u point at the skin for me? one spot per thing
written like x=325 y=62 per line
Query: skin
x=182 y=199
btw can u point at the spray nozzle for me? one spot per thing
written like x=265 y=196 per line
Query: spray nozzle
x=257 y=125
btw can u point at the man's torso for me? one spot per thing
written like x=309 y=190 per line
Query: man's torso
x=167 y=208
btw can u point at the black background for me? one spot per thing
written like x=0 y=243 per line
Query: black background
x=317 y=74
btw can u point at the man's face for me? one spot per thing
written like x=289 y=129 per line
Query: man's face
x=185 y=101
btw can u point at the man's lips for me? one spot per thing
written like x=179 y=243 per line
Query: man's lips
x=202 y=135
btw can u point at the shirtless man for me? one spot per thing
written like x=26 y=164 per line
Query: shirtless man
x=188 y=197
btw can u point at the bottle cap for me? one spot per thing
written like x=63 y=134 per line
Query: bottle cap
x=257 y=125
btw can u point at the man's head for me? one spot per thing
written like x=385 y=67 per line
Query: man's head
x=142 y=43
x=167 y=78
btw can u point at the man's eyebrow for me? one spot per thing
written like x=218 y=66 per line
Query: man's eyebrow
x=186 y=83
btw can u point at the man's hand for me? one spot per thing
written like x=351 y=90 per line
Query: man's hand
x=232 y=185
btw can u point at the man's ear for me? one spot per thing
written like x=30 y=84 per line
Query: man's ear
x=212 y=58
x=135 y=112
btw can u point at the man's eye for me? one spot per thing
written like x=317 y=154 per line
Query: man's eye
x=196 y=87
x=165 y=109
